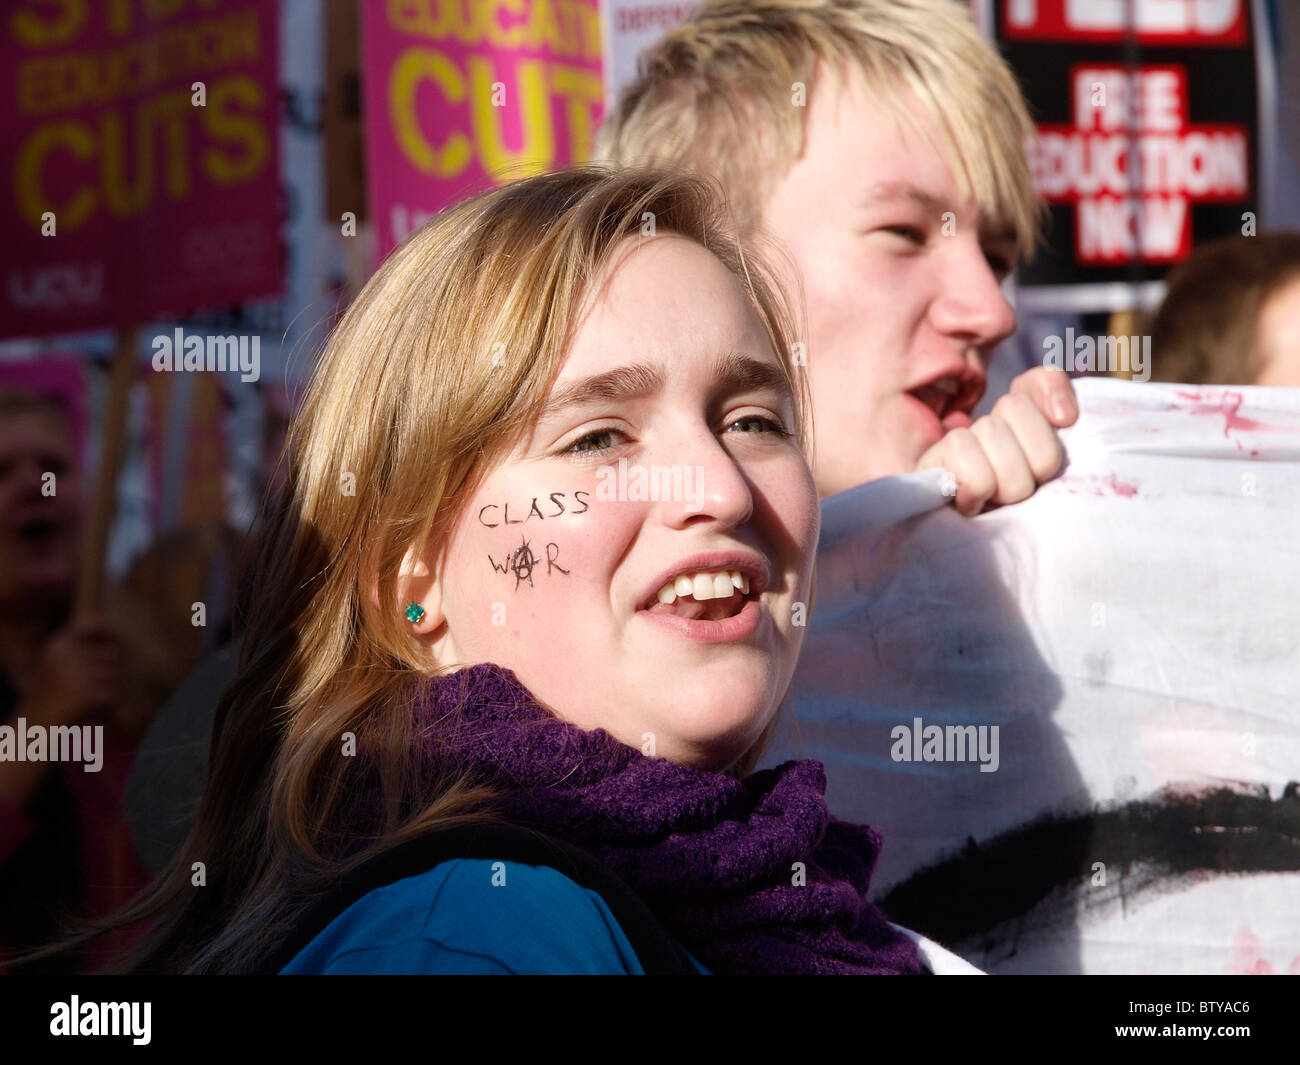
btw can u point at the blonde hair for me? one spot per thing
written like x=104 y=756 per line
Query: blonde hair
x=714 y=94
x=441 y=363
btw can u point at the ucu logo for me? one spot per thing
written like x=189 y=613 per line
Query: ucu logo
x=58 y=287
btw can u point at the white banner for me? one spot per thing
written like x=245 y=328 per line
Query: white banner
x=1074 y=719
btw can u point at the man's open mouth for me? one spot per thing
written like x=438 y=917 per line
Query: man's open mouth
x=940 y=396
x=37 y=531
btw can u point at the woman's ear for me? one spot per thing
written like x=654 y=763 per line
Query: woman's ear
x=417 y=584
x=421 y=604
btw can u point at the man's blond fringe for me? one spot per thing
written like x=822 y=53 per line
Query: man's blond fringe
x=717 y=94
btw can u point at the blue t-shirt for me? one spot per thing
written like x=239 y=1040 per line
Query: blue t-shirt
x=471 y=915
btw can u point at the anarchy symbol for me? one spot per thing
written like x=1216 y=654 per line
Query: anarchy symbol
x=522 y=563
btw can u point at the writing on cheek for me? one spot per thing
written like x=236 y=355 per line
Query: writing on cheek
x=521 y=562
x=552 y=556
x=494 y=515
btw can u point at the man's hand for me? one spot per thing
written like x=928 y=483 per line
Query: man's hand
x=78 y=676
x=77 y=679
x=1007 y=454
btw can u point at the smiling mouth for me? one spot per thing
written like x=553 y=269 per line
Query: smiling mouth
x=712 y=608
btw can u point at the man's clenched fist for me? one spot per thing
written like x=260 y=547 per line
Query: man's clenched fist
x=1004 y=456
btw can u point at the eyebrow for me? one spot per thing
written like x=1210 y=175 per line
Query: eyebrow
x=894 y=191
x=734 y=371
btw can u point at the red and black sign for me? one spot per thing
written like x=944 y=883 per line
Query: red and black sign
x=1149 y=130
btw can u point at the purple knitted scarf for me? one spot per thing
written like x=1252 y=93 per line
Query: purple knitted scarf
x=713 y=857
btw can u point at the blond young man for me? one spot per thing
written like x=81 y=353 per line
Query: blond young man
x=882 y=142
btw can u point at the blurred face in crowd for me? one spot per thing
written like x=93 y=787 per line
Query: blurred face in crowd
x=667 y=621
x=37 y=528
x=1278 y=338
x=904 y=300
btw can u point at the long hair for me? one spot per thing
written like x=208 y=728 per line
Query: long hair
x=439 y=366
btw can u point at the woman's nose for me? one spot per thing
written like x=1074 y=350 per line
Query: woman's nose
x=698 y=479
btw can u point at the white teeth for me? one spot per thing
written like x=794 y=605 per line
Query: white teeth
x=719 y=584
x=947 y=385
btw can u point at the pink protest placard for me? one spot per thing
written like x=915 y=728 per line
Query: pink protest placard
x=459 y=97
x=141 y=161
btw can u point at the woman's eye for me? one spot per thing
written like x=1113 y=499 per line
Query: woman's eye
x=593 y=438
x=599 y=440
x=772 y=425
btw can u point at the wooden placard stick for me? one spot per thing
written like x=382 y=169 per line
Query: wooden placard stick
x=94 y=548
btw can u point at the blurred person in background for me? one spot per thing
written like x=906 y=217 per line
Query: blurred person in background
x=166 y=782
x=64 y=848
x=1231 y=314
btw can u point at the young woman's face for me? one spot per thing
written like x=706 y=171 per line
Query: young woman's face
x=659 y=462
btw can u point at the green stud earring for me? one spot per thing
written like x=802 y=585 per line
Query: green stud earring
x=414 y=612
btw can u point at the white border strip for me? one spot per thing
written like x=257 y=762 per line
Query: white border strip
x=1083 y=299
